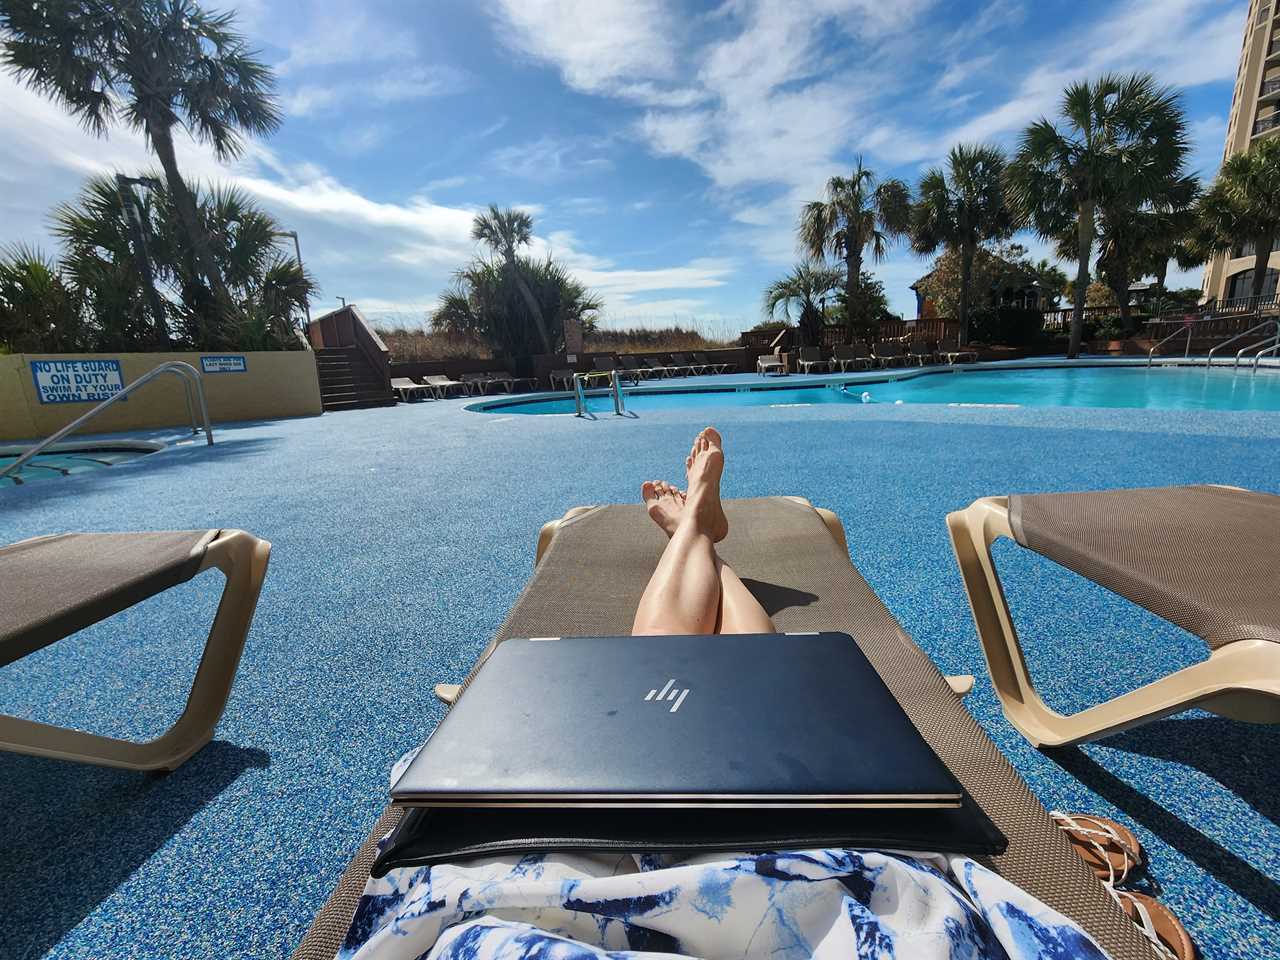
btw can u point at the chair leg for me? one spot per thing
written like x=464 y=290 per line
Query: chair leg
x=1240 y=680
x=242 y=558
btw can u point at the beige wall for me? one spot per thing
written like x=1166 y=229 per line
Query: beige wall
x=275 y=384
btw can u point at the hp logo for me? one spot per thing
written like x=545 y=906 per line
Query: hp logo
x=668 y=693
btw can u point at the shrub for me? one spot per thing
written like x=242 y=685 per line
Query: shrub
x=1010 y=326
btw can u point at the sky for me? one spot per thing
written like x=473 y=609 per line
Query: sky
x=663 y=148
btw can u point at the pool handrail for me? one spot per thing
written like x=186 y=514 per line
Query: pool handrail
x=1270 y=321
x=1273 y=350
x=183 y=371
x=1186 y=328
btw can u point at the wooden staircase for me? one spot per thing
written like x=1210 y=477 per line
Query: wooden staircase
x=348 y=381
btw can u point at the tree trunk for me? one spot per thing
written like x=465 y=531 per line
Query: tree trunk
x=1084 y=250
x=142 y=257
x=1262 y=253
x=162 y=143
x=529 y=301
x=967 y=252
x=853 y=318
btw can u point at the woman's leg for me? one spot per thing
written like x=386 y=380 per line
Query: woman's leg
x=740 y=611
x=683 y=595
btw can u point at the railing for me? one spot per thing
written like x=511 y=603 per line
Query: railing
x=1269 y=87
x=1269 y=122
x=184 y=371
x=580 y=392
x=1269 y=322
x=1188 y=325
x=347 y=327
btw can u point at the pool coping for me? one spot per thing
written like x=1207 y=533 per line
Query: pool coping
x=799 y=381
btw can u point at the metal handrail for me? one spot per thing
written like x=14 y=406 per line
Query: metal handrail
x=1270 y=321
x=579 y=394
x=1273 y=350
x=183 y=371
x=615 y=388
x=619 y=405
x=1187 y=325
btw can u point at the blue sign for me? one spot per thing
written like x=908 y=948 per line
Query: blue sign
x=224 y=364
x=76 y=381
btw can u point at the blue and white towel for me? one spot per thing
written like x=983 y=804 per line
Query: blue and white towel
x=808 y=903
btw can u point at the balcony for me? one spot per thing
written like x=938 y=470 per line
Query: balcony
x=1270 y=91
x=1267 y=124
x=1273 y=51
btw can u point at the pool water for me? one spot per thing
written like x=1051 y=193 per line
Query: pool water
x=1156 y=388
x=63 y=463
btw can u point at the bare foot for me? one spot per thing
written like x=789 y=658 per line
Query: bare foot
x=704 y=465
x=664 y=502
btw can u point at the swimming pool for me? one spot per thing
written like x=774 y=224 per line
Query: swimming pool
x=63 y=460
x=1156 y=388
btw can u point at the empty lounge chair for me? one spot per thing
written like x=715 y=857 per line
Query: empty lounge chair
x=1202 y=557
x=407 y=389
x=610 y=365
x=793 y=551
x=633 y=365
x=921 y=352
x=853 y=356
x=441 y=385
x=767 y=363
x=953 y=353
x=684 y=360
x=54 y=586
x=658 y=368
x=712 y=365
x=811 y=357
x=561 y=378
x=888 y=353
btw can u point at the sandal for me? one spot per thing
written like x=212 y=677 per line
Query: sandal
x=1158 y=924
x=1108 y=848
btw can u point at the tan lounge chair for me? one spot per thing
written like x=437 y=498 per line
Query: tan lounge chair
x=714 y=366
x=921 y=352
x=562 y=378
x=441 y=385
x=854 y=355
x=811 y=357
x=795 y=559
x=766 y=364
x=54 y=586
x=1202 y=557
x=888 y=353
x=407 y=389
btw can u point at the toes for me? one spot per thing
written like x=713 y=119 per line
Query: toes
x=649 y=490
x=712 y=436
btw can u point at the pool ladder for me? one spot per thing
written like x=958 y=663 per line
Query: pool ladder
x=1273 y=338
x=580 y=393
x=183 y=371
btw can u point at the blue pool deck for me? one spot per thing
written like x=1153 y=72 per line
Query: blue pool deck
x=403 y=535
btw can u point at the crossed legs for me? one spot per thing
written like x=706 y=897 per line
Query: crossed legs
x=693 y=590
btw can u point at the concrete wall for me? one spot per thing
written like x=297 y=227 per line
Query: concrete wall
x=274 y=384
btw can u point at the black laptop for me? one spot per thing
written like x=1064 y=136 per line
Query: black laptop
x=720 y=721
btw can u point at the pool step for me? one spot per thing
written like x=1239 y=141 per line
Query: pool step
x=348 y=381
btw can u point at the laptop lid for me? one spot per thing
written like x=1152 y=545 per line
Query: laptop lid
x=701 y=721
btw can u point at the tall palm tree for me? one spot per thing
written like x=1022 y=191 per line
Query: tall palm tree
x=1117 y=127
x=1243 y=203
x=505 y=232
x=962 y=207
x=858 y=213
x=804 y=288
x=154 y=65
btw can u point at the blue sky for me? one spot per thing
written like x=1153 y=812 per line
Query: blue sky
x=664 y=148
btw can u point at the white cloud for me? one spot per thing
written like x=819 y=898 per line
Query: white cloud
x=339 y=35
x=390 y=87
x=445 y=183
x=550 y=158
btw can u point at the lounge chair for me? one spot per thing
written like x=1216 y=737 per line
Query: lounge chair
x=684 y=360
x=658 y=368
x=562 y=378
x=610 y=365
x=513 y=382
x=766 y=364
x=500 y=378
x=888 y=353
x=797 y=562
x=54 y=586
x=477 y=383
x=632 y=365
x=407 y=389
x=811 y=357
x=441 y=385
x=713 y=365
x=953 y=353
x=1202 y=557
x=921 y=352
x=854 y=355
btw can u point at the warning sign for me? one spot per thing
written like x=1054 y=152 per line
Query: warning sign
x=76 y=381
x=227 y=364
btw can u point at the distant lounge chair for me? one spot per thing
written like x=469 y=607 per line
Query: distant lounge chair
x=633 y=365
x=1202 y=557
x=610 y=365
x=513 y=382
x=792 y=550
x=888 y=353
x=57 y=585
x=811 y=357
x=713 y=365
x=684 y=360
x=441 y=385
x=921 y=352
x=766 y=364
x=854 y=355
x=953 y=353
x=480 y=382
x=407 y=389
x=563 y=378
x=661 y=369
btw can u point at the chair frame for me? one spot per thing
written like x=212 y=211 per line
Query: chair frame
x=1240 y=680
x=242 y=558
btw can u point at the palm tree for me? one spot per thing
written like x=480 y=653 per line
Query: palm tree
x=505 y=232
x=154 y=65
x=1243 y=203
x=962 y=207
x=858 y=213
x=40 y=310
x=805 y=288
x=1117 y=128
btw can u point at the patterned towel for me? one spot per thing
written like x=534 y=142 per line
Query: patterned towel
x=809 y=903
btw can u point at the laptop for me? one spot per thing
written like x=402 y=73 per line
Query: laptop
x=719 y=721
